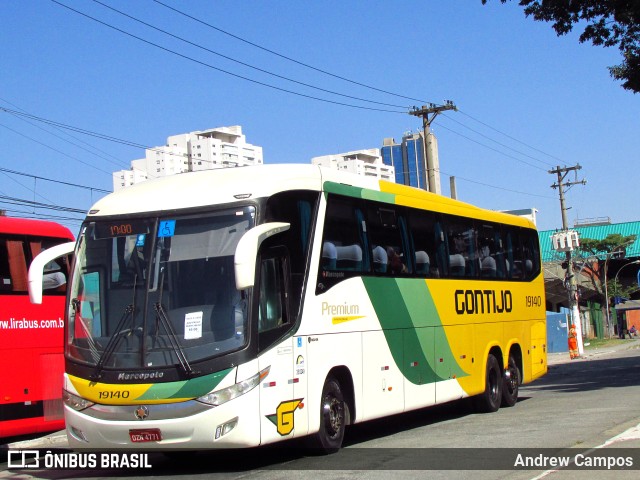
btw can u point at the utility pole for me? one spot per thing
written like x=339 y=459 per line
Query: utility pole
x=430 y=146
x=570 y=276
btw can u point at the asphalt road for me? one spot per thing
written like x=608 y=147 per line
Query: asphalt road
x=586 y=404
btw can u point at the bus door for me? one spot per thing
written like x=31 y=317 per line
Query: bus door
x=277 y=402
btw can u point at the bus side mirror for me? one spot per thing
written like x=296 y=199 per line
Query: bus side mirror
x=247 y=251
x=36 y=269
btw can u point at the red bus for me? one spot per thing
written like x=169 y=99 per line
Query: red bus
x=31 y=336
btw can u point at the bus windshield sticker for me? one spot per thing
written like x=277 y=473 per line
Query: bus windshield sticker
x=140 y=240
x=167 y=228
x=193 y=325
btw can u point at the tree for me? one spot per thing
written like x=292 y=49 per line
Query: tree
x=608 y=23
x=595 y=256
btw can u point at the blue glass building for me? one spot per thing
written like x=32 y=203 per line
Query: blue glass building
x=408 y=160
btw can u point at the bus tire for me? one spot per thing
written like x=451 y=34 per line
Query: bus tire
x=332 y=418
x=489 y=400
x=510 y=384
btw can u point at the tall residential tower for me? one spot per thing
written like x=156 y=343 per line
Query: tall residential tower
x=190 y=152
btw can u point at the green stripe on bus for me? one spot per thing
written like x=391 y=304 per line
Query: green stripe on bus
x=357 y=192
x=406 y=306
x=193 y=388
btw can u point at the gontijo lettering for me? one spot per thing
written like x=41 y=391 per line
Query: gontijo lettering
x=474 y=302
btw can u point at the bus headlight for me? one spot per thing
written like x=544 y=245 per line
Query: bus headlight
x=223 y=396
x=74 y=401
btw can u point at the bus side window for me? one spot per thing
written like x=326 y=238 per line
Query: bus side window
x=273 y=307
x=491 y=252
x=13 y=269
x=515 y=264
x=388 y=248
x=344 y=240
x=531 y=251
x=428 y=244
x=463 y=250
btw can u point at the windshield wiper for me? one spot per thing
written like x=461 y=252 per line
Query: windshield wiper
x=161 y=314
x=93 y=348
x=113 y=341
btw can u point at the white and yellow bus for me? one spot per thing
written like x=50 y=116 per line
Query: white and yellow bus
x=240 y=307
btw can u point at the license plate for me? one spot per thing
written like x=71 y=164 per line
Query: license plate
x=140 y=435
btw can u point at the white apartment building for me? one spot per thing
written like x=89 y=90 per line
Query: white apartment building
x=362 y=162
x=189 y=152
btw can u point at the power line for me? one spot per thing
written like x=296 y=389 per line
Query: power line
x=89 y=150
x=186 y=57
x=491 y=148
x=509 y=136
x=84 y=132
x=32 y=190
x=6 y=170
x=298 y=62
x=499 y=143
x=52 y=148
x=286 y=57
x=31 y=203
x=26 y=214
x=246 y=64
x=494 y=186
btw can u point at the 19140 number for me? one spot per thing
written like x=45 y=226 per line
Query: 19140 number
x=533 y=301
x=104 y=395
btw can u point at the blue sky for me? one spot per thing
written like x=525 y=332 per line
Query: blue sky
x=528 y=100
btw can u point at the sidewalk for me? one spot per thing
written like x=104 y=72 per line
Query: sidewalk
x=594 y=352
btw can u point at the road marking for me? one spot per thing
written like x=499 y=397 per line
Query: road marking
x=632 y=433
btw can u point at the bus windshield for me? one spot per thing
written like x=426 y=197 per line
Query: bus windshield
x=156 y=292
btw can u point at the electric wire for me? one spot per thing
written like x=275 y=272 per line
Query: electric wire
x=298 y=62
x=32 y=203
x=271 y=86
x=43 y=216
x=32 y=190
x=85 y=132
x=95 y=189
x=286 y=57
x=495 y=141
x=242 y=77
x=510 y=137
x=282 y=77
x=288 y=91
x=491 y=148
x=496 y=187
x=88 y=150
x=53 y=149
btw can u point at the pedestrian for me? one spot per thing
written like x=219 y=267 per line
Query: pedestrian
x=573 y=342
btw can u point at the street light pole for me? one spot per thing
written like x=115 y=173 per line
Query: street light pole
x=606 y=294
x=615 y=282
x=613 y=251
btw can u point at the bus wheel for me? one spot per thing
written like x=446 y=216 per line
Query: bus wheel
x=489 y=400
x=510 y=384
x=332 y=417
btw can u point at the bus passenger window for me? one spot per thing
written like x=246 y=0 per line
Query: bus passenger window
x=427 y=239
x=531 y=251
x=515 y=267
x=490 y=252
x=463 y=250
x=389 y=251
x=13 y=268
x=344 y=239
